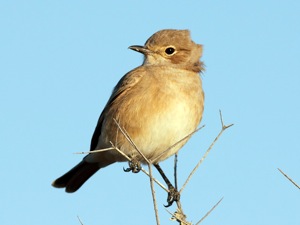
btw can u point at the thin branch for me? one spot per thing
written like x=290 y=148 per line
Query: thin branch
x=95 y=151
x=224 y=127
x=206 y=153
x=79 y=220
x=124 y=132
x=118 y=150
x=156 y=181
x=126 y=135
x=180 y=217
x=153 y=194
x=290 y=179
x=142 y=169
x=206 y=215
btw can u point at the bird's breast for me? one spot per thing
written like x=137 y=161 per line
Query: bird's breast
x=161 y=109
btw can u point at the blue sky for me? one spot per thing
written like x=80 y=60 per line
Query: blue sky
x=59 y=61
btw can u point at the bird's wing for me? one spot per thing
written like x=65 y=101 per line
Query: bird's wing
x=126 y=83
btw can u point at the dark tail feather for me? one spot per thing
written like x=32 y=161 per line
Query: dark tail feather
x=76 y=177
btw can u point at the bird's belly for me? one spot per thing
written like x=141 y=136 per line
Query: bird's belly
x=157 y=125
x=168 y=129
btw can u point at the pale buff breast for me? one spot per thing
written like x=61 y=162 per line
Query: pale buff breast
x=162 y=108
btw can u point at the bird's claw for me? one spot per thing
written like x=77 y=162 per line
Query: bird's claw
x=173 y=196
x=134 y=166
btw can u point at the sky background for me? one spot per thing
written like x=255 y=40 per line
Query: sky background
x=59 y=61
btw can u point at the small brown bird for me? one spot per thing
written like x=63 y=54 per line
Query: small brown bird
x=157 y=104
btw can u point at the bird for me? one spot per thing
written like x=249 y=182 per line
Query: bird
x=156 y=104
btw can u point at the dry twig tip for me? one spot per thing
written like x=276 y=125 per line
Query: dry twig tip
x=224 y=127
x=209 y=211
x=290 y=179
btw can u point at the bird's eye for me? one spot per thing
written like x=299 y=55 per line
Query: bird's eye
x=170 y=50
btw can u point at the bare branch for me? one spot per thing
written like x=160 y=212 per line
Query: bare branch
x=153 y=194
x=206 y=153
x=206 y=215
x=178 y=215
x=181 y=218
x=79 y=220
x=124 y=132
x=290 y=179
x=118 y=150
x=142 y=169
x=224 y=127
x=95 y=151
x=155 y=180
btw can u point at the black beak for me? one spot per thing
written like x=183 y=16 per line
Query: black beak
x=142 y=49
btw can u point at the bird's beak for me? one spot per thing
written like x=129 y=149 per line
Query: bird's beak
x=142 y=49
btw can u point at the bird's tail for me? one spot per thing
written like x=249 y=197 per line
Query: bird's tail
x=76 y=177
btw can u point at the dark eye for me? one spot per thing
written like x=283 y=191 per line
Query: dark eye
x=170 y=50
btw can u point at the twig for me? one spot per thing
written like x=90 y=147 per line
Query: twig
x=290 y=179
x=95 y=151
x=118 y=150
x=126 y=135
x=79 y=220
x=124 y=132
x=206 y=153
x=180 y=217
x=209 y=211
x=156 y=181
x=153 y=194
x=142 y=169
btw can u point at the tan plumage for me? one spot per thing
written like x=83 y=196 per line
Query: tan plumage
x=157 y=103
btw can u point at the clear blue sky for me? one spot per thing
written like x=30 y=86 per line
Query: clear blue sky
x=59 y=61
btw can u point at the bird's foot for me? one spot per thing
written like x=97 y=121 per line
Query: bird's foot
x=173 y=196
x=134 y=166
